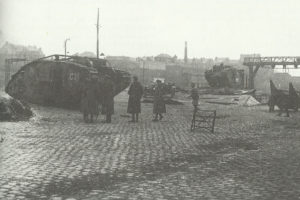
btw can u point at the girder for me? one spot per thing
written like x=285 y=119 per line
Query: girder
x=272 y=61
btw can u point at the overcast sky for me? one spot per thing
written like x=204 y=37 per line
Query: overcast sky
x=213 y=28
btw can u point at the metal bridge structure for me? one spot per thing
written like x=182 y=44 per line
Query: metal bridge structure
x=254 y=63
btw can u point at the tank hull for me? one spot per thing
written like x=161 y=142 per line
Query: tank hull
x=58 y=81
x=222 y=76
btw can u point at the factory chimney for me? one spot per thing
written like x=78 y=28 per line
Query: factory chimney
x=185 y=53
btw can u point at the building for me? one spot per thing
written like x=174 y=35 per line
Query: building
x=219 y=60
x=165 y=58
x=121 y=58
x=242 y=56
x=9 y=50
x=12 y=57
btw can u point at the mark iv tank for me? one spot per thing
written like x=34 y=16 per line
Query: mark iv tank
x=221 y=76
x=57 y=80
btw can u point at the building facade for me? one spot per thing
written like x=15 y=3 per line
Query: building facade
x=12 y=57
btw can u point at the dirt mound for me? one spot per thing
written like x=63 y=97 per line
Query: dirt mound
x=12 y=109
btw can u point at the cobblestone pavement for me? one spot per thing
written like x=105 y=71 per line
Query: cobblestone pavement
x=252 y=155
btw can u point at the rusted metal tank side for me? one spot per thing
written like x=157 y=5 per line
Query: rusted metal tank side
x=49 y=83
x=121 y=79
x=59 y=82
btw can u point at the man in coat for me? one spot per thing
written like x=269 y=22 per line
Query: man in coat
x=159 y=105
x=89 y=102
x=194 y=95
x=135 y=93
x=108 y=98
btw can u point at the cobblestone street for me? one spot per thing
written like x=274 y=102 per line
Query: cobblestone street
x=253 y=154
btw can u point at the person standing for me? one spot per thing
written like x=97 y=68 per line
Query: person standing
x=159 y=105
x=84 y=101
x=108 y=98
x=89 y=103
x=195 y=96
x=135 y=93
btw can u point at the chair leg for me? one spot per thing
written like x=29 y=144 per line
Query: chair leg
x=193 y=120
x=193 y=125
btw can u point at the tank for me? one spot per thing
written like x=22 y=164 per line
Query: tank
x=283 y=99
x=221 y=76
x=57 y=80
x=169 y=90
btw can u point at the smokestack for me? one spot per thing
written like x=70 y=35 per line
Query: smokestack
x=185 y=53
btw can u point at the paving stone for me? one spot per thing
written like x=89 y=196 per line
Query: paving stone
x=64 y=158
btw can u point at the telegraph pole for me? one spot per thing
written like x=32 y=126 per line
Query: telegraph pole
x=7 y=71
x=143 y=72
x=97 y=26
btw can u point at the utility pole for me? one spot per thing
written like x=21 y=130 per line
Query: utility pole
x=97 y=26
x=66 y=47
x=7 y=71
x=143 y=72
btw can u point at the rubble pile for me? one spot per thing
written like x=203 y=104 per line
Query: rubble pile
x=12 y=109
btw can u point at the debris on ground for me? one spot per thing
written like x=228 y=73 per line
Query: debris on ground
x=284 y=100
x=221 y=91
x=245 y=92
x=222 y=102
x=12 y=109
x=167 y=101
x=247 y=100
x=125 y=115
x=241 y=100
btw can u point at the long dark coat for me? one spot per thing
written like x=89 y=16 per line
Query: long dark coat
x=89 y=101
x=159 y=105
x=108 y=97
x=195 y=96
x=135 y=94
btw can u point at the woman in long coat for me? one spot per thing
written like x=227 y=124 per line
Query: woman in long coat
x=159 y=105
x=134 y=102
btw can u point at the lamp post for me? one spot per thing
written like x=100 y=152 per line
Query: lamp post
x=143 y=72
x=66 y=47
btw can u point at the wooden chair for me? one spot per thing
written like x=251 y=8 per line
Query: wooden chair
x=204 y=119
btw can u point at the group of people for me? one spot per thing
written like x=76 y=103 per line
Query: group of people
x=93 y=95
x=135 y=93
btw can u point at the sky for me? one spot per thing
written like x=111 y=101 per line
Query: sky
x=212 y=28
